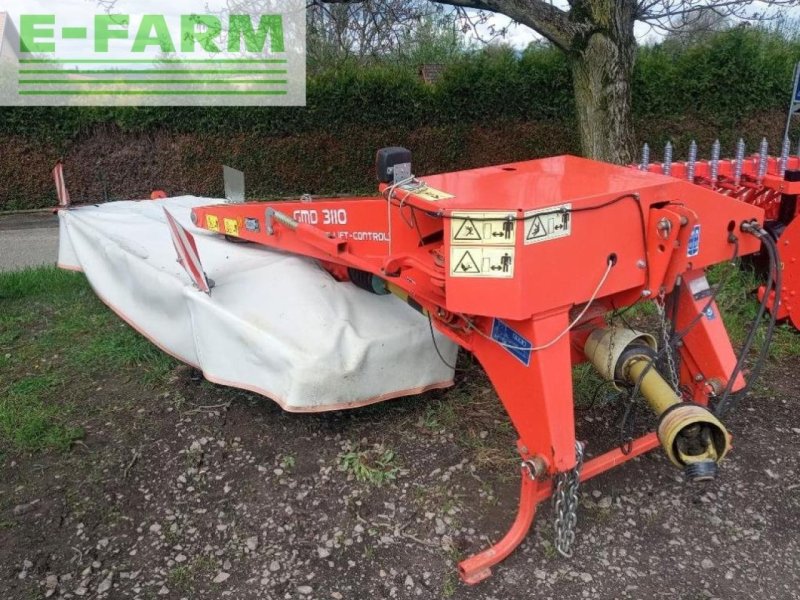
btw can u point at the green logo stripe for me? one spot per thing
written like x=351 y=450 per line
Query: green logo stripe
x=152 y=72
x=150 y=81
x=74 y=33
x=152 y=61
x=152 y=93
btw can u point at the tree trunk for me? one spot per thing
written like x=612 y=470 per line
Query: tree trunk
x=602 y=68
x=601 y=76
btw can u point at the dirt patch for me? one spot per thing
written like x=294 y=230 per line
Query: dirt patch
x=182 y=489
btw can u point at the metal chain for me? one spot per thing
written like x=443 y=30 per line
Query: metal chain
x=565 y=503
x=661 y=308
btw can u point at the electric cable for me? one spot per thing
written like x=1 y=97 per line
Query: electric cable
x=436 y=347
x=611 y=263
x=772 y=289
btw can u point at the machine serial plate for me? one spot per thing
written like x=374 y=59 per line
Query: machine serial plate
x=512 y=341
x=548 y=223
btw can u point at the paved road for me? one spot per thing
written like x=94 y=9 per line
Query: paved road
x=28 y=240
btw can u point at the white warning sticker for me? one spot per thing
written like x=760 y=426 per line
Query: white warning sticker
x=478 y=261
x=483 y=228
x=549 y=223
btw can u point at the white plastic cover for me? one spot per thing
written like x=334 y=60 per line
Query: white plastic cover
x=275 y=324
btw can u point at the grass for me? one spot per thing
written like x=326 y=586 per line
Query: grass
x=376 y=465
x=287 y=462
x=54 y=331
x=180 y=578
x=28 y=421
x=737 y=303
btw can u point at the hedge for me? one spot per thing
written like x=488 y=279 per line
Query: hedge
x=489 y=106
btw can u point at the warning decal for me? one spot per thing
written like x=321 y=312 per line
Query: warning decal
x=212 y=223
x=467 y=232
x=483 y=228
x=482 y=262
x=231 y=226
x=548 y=223
x=430 y=194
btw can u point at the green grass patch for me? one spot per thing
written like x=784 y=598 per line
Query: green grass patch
x=30 y=418
x=121 y=347
x=376 y=465
x=738 y=304
x=72 y=321
x=53 y=326
x=40 y=282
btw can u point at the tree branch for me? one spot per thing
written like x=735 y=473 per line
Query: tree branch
x=540 y=15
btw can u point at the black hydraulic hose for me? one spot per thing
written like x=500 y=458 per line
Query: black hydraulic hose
x=772 y=289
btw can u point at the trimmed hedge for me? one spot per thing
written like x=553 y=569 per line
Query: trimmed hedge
x=489 y=107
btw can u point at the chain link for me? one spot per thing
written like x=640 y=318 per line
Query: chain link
x=565 y=503
x=661 y=308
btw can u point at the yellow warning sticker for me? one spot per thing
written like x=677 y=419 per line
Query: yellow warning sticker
x=231 y=226
x=483 y=228
x=477 y=261
x=212 y=223
x=431 y=194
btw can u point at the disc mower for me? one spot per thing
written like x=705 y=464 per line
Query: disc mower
x=526 y=266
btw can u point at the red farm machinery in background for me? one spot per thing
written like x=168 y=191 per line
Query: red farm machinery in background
x=527 y=266
x=771 y=183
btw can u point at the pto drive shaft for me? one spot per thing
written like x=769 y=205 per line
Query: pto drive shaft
x=691 y=435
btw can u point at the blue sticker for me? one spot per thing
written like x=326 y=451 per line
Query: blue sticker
x=693 y=249
x=512 y=341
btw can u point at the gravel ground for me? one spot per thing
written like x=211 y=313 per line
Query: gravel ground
x=196 y=491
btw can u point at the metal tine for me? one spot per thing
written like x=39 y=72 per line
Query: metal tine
x=645 y=164
x=715 y=147
x=666 y=166
x=737 y=168
x=784 y=157
x=692 y=162
x=763 y=153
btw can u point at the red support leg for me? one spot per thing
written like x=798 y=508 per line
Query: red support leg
x=478 y=567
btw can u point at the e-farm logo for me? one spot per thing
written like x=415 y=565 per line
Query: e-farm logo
x=153 y=59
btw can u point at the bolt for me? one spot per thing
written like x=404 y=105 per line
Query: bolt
x=641 y=263
x=667 y=164
x=664 y=227
x=645 y=164
x=698 y=377
x=690 y=164
x=763 y=155
x=784 y=156
x=737 y=169
x=715 y=162
x=646 y=293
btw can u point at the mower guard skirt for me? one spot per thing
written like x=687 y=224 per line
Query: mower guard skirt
x=275 y=324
